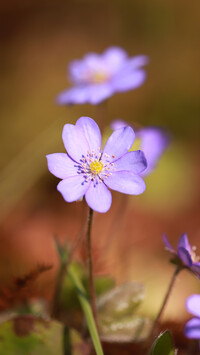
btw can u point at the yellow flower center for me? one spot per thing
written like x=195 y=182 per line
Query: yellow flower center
x=96 y=167
x=99 y=77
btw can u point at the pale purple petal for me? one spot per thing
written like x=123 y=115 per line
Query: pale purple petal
x=73 y=188
x=154 y=142
x=167 y=244
x=193 y=304
x=92 y=61
x=75 y=142
x=76 y=95
x=77 y=71
x=114 y=58
x=117 y=124
x=125 y=182
x=118 y=144
x=128 y=80
x=138 y=61
x=184 y=256
x=192 y=328
x=98 y=197
x=131 y=161
x=91 y=131
x=196 y=269
x=61 y=165
x=184 y=243
x=96 y=93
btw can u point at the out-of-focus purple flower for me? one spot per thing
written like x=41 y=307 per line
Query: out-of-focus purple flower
x=97 y=77
x=153 y=142
x=88 y=170
x=192 y=327
x=185 y=255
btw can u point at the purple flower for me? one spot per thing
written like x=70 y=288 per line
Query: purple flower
x=97 y=77
x=192 y=327
x=88 y=170
x=153 y=142
x=185 y=255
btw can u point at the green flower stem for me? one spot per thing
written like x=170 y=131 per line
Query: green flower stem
x=90 y=265
x=169 y=290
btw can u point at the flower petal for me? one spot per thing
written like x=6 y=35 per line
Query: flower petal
x=114 y=58
x=196 y=269
x=118 y=123
x=118 y=144
x=125 y=182
x=98 y=197
x=131 y=161
x=167 y=244
x=76 y=95
x=138 y=61
x=73 y=188
x=76 y=71
x=192 y=328
x=91 y=131
x=128 y=80
x=184 y=256
x=154 y=141
x=184 y=243
x=96 y=93
x=61 y=165
x=193 y=304
x=75 y=142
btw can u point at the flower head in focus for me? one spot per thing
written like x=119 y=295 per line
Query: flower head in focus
x=87 y=170
x=192 y=327
x=153 y=142
x=184 y=256
x=97 y=77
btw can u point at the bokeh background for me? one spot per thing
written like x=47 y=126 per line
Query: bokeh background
x=38 y=40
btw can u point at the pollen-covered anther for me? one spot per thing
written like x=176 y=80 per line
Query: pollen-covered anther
x=96 y=167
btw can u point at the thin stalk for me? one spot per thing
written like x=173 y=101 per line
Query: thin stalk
x=90 y=265
x=67 y=346
x=169 y=290
x=55 y=311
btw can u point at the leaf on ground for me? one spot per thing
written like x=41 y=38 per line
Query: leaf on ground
x=163 y=345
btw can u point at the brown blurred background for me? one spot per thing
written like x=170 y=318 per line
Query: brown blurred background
x=38 y=40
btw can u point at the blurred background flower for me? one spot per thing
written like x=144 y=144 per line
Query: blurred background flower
x=98 y=77
x=192 y=327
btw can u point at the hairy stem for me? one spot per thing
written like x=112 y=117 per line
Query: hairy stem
x=169 y=290
x=90 y=265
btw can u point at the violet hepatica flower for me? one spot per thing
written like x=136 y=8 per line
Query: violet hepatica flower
x=192 y=327
x=97 y=77
x=153 y=142
x=184 y=256
x=87 y=170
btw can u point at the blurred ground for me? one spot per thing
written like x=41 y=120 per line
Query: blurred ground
x=38 y=40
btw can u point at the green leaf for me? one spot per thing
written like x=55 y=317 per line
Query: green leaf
x=27 y=335
x=68 y=296
x=163 y=345
x=62 y=251
x=103 y=284
x=83 y=298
